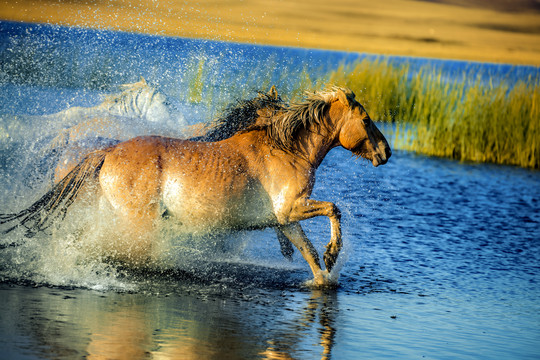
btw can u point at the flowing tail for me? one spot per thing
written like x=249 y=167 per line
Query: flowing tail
x=54 y=204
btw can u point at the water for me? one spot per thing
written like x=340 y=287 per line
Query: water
x=441 y=261
x=53 y=56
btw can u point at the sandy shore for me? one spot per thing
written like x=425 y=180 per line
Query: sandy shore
x=453 y=29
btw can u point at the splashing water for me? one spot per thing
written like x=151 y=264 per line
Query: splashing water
x=80 y=251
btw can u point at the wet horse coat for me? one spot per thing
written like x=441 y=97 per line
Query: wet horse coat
x=260 y=177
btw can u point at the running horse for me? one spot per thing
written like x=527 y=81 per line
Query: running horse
x=139 y=107
x=260 y=177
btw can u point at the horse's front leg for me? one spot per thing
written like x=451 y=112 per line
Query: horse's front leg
x=284 y=244
x=297 y=236
x=306 y=209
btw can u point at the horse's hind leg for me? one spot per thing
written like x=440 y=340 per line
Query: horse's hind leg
x=296 y=235
x=130 y=236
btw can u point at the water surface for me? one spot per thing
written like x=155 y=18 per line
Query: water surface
x=442 y=262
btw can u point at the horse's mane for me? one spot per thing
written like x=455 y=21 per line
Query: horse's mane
x=308 y=114
x=282 y=122
x=240 y=116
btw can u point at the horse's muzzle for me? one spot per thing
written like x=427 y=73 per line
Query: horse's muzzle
x=381 y=157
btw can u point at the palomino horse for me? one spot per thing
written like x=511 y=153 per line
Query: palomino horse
x=139 y=108
x=260 y=177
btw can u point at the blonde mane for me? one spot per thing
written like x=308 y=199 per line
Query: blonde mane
x=285 y=124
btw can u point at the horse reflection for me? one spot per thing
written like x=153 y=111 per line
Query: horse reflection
x=321 y=310
x=85 y=324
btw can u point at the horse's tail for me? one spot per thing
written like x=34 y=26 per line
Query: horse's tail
x=54 y=204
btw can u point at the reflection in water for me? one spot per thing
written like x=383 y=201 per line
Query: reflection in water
x=321 y=308
x=61 y=323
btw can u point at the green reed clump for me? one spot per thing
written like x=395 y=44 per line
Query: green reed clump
x=202 y=84
x=196 y=81
x=466 y=120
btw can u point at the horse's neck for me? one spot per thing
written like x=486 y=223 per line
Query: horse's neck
x=325 y=136
x=314 y=146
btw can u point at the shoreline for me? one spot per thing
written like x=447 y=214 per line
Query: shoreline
x=457 y=33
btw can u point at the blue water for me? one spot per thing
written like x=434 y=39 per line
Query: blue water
x=441 y=258
x=75 y=57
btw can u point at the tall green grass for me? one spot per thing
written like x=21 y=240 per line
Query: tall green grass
x=470 y=120
x=200 y=84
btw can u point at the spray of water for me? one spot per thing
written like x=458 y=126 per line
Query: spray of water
x=59 y=110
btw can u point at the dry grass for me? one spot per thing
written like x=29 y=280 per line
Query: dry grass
x=440 y=29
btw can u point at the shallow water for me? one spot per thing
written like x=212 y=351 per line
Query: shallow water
x=442 y=262
x=441 y=259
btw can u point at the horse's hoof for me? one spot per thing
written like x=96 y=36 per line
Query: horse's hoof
x=322 y=280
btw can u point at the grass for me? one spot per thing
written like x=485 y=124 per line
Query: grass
x=206 y=82
x=469 y=120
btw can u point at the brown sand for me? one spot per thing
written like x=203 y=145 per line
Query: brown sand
x=483 y=30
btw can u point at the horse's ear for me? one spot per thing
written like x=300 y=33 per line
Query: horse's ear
x=273 y=93
x=342 y=96
x=345 y=96
x=143 y=81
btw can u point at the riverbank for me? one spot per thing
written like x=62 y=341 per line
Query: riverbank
x=489 y=32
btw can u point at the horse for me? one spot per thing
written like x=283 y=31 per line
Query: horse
x=138 y=108
x=260 y=177
x=136 y=100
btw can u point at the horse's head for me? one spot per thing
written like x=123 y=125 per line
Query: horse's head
x=358 y=133
x=140 y=100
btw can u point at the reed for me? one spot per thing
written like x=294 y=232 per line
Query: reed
x=214 y=85
x=468 y=119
